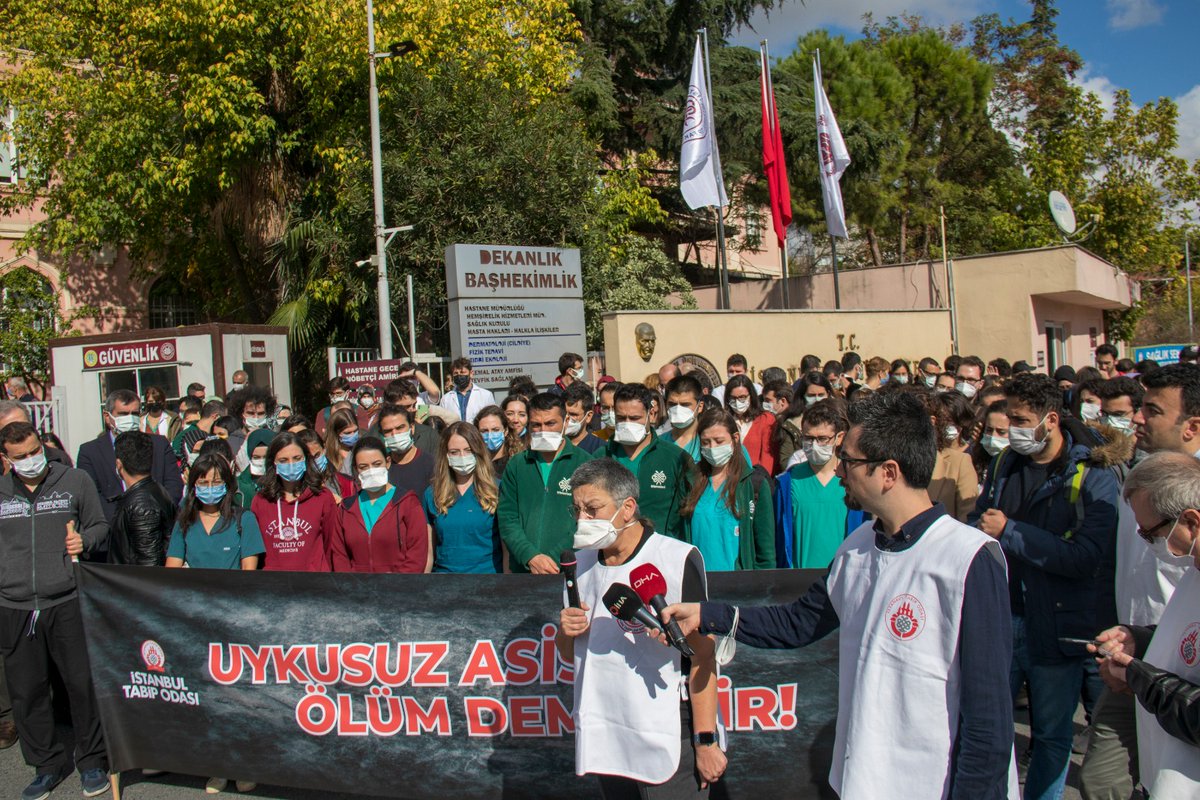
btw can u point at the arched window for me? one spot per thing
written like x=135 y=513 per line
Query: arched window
x=169 y=308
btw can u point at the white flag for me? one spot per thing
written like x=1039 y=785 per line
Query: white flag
x=699 y=161
x=833 y=157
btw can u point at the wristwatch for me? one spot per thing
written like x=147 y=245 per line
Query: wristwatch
x=704 y=738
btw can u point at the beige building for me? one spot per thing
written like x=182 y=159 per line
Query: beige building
x=1044 y=306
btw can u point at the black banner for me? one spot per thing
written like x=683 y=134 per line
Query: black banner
x=405 y=685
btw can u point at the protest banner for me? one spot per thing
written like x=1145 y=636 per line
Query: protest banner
x=404 y=685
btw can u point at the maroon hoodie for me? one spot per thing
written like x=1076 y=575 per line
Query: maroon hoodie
x=301 y=543
x=399 y=542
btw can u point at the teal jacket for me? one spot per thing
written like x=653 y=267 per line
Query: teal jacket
x=535 y=517
x=662 y=472
x=756 y=521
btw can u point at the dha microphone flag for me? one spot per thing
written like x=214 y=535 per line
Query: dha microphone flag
x=833 y=157
x=624 y=604
x=698 y=158
x=651 y=587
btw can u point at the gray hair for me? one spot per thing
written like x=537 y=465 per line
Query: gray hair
x=1170 y=480
x=18 y=382
x=607 y=476
x=121 y=396
x=9 y=406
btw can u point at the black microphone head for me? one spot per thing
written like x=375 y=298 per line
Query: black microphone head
x=567 y=558
x=622 y=602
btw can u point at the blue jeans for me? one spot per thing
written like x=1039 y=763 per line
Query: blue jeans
x=1053 y=695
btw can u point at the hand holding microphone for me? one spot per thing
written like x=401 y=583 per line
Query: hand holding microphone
x=650 y=585
x=623 y=603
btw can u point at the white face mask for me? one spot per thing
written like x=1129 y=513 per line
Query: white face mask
x=629 y=433
x=1089 y=411
x=237 y=387
x=398 y=443
x=993 y=445
x=545 y=441
x=900 y=379
x=812 y=400
x=930 y=380
x=680 y=416
x=768 y=407
x=463 y=465
x=717 y=456
x=1122 y=424
x=125 y=423
x=596 y=534
x=258 y=467
x=254 y=423
x=739 y=405
x=967 y=390
x=366 y=401
x=1158 y=546
x=31 y=467
x=372 y=479
x=818 y=454
x=336 y=398
x=952 y=432
x=573 y=427
x=577 y=374
x=1025 y=441
x=608 y=419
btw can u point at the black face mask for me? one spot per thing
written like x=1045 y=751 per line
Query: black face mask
x=461 y=381
x=154 y=409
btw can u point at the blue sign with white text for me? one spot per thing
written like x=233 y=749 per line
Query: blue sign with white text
x=1162 y=353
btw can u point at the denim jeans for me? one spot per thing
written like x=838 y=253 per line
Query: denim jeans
x=1053 y=696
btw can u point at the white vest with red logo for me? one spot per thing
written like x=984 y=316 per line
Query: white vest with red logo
x=898 y=666
x=1170 y=767
x=627 y=685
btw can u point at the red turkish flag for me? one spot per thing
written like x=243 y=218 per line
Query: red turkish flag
x=774 y=160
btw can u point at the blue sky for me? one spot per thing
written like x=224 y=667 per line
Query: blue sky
x=1145 y=46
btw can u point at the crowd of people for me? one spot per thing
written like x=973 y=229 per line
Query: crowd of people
x=417 y=477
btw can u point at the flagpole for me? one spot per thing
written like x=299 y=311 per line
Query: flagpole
x=770 y=95
x=837 y=293
x=722 y=256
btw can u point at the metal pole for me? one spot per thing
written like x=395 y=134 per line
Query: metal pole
x=722 y=255
x=385 y=301
x=949 y=268
x=1187 y=258
x=837 y=292
x=412 y=322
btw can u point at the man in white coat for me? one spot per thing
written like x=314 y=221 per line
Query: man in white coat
x=921 y=601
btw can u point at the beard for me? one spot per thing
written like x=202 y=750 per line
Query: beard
x=851 y=502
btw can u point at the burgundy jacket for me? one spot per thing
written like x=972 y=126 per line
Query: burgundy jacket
x=399 y=542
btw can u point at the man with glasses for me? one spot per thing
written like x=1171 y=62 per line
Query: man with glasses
x=1051 y=502
x=913 y=587
x=968 y=376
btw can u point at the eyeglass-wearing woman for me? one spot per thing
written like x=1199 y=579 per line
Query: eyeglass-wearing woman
x=728 y=513
x=378 y=529
x=460 y=505
x=754 y=426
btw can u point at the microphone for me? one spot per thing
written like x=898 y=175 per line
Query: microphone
x=567 y=562
x=623 y=603
x=650 y=585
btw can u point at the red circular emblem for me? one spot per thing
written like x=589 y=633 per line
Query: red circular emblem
x=905 y=617
x=153 y=656
x=167 y=351
x=1189 y=649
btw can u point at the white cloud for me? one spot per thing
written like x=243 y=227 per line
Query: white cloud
x=1125 y=15
x=1099 y=85
x=1189 y=124
x=784 y=25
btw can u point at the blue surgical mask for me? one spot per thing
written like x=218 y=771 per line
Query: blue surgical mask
x=321 y=462
x=493 y=439
x=211 y=495
x=291 y=470
x=349 y=439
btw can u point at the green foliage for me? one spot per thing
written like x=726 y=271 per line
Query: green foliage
x=29 y=319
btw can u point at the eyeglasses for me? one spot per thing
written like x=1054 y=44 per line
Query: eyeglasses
x=587 y=513
x=850 y=461
x=1147 y=534
x=821 y=440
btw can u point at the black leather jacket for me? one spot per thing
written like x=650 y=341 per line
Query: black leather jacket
x=1174 y=701
x=141 y=526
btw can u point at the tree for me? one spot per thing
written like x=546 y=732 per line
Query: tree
x=29 y=319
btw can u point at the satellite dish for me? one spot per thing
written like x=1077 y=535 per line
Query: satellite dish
x=1064 y=215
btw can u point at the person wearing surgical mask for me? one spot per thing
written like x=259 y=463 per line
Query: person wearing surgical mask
x=580 y=402
x=295 y=512
x=776 y=397
x=945 y=383
x=727 y=513
x=614 y=542
x=339 y=485
x=608 y=418
x=685 y=403
x=1090 y=404
x=340 y=437
x=928 y=370
x=460 y=505
x=1120 y=399
x=993 y=438
x=213 y=531
x=735 y=365
x=968 y=377
x=339 y=392
x=570 y=370
x=1051 y=501
x=465 y=398
x=247 y=480
x=898 y=372
x=1156 y=666
x=954 y=483
x=755 y=428
x=490 y=424
x=379 y=528
x=534 y=510
x=410 y=468
x=661 y=467
x=812 y=516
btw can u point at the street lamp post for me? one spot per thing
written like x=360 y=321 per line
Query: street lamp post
x=385 y=301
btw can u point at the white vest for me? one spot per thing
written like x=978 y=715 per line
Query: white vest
x=627 y=686
x=898 y=663
x=1170 y=767
x=1144 y=584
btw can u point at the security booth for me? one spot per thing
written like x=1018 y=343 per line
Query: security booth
x=85 y=369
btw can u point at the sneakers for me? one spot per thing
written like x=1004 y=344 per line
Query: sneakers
x=216 y=785
x=246 y=786
x=8 y=734
x=42 y=786
x=94 y=782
